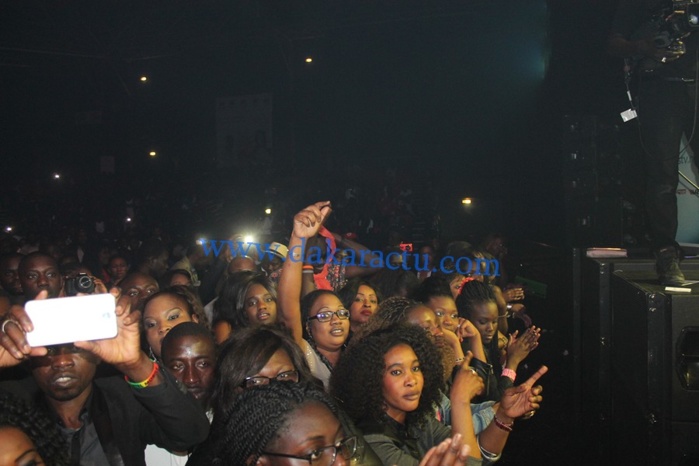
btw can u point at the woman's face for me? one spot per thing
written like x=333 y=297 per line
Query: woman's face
x=363 y=306
x=424 y=317
x=456 y=284
x=161 y=315
x=402 y=382
x=444 y=308
x=309 y=430
x=485 y=317
x=117 y=269
x=279 y=367
x=329 y=335
x=259 y=305
x=17 y=449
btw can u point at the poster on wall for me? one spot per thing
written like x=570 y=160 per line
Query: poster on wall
x=244 y=130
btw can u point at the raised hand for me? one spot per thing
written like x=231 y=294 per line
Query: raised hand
x=522 y=399
x=451 y=452
x=467 y=383
x=513 y=294
x=124 y=349
x=14 y=326
x=519 y=347
x=309 y=220
x=466 y=329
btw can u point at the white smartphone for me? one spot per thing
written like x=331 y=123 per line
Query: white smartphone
x=65 y=320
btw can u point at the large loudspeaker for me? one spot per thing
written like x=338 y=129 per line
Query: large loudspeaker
x=654 y=368
x=612 y=338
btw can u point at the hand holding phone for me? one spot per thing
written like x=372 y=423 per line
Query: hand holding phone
x=66 y=320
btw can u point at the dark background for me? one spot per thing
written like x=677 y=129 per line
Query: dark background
x=468 y=98
x=467 y=95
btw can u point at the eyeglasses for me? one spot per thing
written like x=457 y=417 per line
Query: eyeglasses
x=326 y=316
x=325 y=456
x=257 y=380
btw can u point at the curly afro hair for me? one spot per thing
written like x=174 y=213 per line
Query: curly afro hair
x=357 y=379
x=258 y=416
x=37 y=426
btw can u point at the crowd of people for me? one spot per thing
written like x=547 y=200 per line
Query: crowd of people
x=247 y=359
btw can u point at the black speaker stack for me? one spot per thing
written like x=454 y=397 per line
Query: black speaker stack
x=639 y=364
x=592 y=182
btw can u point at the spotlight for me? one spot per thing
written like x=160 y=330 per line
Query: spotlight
x=467 y=201
x=309 y=60
x=268 y=211
x=56 y=176
x=8 y=229
x=248 y=239
x=152 y=153
x=144 y=79
x=128 y=219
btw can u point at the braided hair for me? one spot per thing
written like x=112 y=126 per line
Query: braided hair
x=258 y=416
x=472 y=294
x=37 y=426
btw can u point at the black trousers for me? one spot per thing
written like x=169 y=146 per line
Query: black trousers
x=666 y=110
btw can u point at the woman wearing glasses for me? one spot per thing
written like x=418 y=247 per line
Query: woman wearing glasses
x=281 y=424
x=255 y=357
x=319 y=321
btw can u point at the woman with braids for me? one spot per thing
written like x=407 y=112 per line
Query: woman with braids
x=319 y=322
x=498 y=362
x=251 y=358
x=388 y=382
x=288 y=423
x=28 y=437
x=247 y=298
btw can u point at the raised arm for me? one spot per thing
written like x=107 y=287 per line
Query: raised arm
x=516 y=402
x=467 y=384
x=306 y=225
x=363 y=256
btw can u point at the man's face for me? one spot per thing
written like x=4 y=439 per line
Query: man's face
x=191 y=360
x=138 y=287
x=40 y=273
x=65 y=373
x=9 y=275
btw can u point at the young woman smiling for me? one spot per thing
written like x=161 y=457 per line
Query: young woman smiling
x=319 y=322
